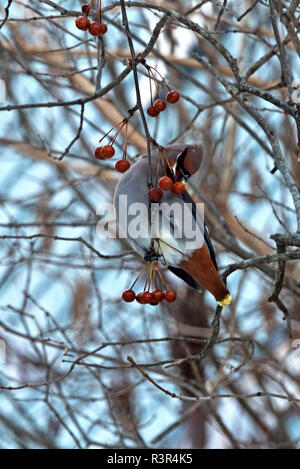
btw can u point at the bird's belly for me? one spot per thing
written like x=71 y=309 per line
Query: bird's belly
x=170 y=250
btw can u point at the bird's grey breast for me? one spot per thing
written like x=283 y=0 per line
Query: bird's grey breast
x=131 y=196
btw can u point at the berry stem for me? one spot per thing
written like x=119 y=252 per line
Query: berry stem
x=162 y=279
x=155 y=82
x=151 y=100
x=139 y=275
x=155 y=274
x=107 y=133
x=172 y=247
x=160 y=249
x=150 y=275
x=162 y=78
x=125 y=142
x=147 y=277
x=114 y=137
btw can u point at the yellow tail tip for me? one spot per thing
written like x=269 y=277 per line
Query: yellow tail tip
x=226 y=301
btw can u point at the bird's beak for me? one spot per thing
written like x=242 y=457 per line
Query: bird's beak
x=180 y=171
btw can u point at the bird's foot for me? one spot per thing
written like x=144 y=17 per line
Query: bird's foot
x=151 y=256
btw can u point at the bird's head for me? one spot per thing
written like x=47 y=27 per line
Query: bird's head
x=188 y=161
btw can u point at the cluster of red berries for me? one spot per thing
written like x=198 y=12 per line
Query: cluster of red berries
x=159 y=105
x=108 y=151
x=166 y=184
x=105 y=152
x=83 y=23
x=153 y=298
x=155 y=290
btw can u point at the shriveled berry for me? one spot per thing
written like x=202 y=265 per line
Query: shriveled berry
x=108 y=151
x=157 y=296
x=85 y=8
x=99 y=154
x=170 y=296
x=172 y=96
x=155 y=194
x=159 y=105
x=82 y=23
x=179 y=188
x=122 y=166
x=128 y=296
x=96 y=29
x=152 y=112
x=166 y=183
x=146 y=297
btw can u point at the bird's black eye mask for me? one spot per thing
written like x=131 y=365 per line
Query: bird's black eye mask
x=180 y=172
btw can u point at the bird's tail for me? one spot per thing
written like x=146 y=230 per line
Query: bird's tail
x=200 y=266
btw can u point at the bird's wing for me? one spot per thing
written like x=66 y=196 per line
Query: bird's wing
x=187 y=278
x=181 y=273
x=187 y=198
